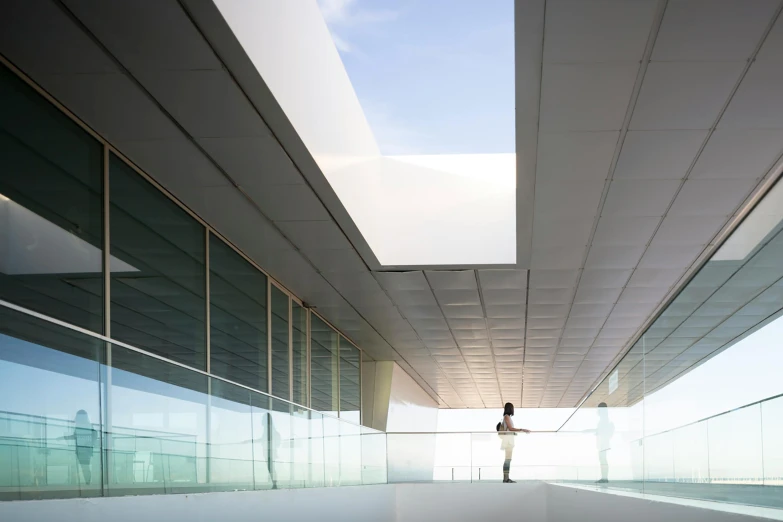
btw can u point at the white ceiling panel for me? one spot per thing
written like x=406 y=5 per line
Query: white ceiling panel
x=582 y=310
x=640 y=197
x=579 y=97
x=550 y=295
x=189 y=96
x=568 y=198
x=670 y=256
x=701 y=89
x=597 y=295
x=772 y=50
x=112 y=105
x=625 y=230
x=597 y=31
x=508 y=296
x=561 y=258
x=586 y=322
x=712 y=30
x=546 y=311
x=505 y=311
x=290 y=203
x=534 y=323
x=713 y=197
x=643 y=294
x=732 y=153
x=654 y=277
x=553 y=278
x=688 y=230
x=70 y=50
x=658 y=154
x=756 y=105
x=336 y=260
x=253 y=162
x=604 y=278
x=316 y=234
x=503 y=279
x=451 y=280
x=575 y=155
x=624 y=256
x=561 y=232
x=177 y=162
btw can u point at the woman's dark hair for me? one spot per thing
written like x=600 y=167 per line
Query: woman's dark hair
x=508 y=409
x=602 y=405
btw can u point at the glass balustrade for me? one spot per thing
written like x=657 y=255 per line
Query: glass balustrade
x=81 y=417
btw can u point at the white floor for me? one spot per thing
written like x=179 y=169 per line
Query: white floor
x=531 y=502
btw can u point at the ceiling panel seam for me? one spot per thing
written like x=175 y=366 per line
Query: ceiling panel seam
x=402 y=314
x=524 y=338
x=451 y=332
x=680 y=283
x=486 y=326
x=533 y=188
x=652 y=37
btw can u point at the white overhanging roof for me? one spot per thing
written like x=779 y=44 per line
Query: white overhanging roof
x=439 y=209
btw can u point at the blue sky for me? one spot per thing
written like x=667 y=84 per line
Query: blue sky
x=433 y=76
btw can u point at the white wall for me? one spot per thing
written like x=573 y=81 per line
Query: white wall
x=393 y=401
x=410 y=407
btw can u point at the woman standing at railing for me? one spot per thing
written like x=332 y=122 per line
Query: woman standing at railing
x=506 y=430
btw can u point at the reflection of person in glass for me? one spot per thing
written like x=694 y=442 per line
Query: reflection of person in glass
x=507 y=434
x=603 y=439
x=85 y=439
x=272 y=441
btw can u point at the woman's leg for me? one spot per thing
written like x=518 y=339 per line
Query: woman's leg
x=507 y=464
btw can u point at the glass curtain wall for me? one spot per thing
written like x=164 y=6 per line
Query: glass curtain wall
x=350 y=390
x=324 y=367
x=72 y=425
x=51 y=201
x=158 y=270
x=175 y=289
x=82 y=415
x=299 y=354
x=694 y=409
x=280 y=307
x=238 y=317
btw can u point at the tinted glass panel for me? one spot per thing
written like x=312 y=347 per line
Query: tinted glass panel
x=238 y=317
x=158 y=270
x=323 y=366
x=51 y=179
x=350 y=389
x=280 y=354
x=299 y=353
x=50 y=414
x=157 y=431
